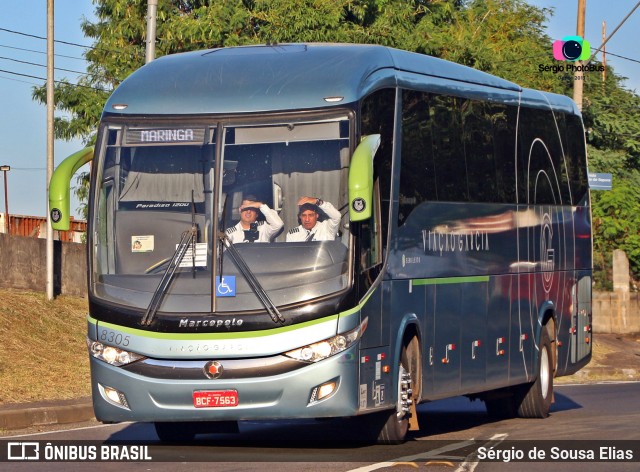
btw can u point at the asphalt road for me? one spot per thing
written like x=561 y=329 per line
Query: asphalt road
x=584 y=419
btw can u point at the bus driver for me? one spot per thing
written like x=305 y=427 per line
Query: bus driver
x=310 y=228
x=249 y=229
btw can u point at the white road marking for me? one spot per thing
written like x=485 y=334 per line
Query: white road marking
x=471 y=461
x=435 y=453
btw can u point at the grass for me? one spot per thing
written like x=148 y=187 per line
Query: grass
x=43 y=353
x=612 y=360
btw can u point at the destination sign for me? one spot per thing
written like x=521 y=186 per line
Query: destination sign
x=165 y=135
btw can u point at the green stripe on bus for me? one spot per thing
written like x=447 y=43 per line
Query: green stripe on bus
x=451 y=280
x=217 y=335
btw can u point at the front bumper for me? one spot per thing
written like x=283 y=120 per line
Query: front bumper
x=283 y=395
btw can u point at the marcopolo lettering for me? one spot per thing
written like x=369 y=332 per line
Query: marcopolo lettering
x=209 y=323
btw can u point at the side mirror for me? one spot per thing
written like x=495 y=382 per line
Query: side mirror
x=60 y=185
x=361 y=178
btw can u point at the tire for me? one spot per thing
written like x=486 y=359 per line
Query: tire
x=396 y=422
x=175 y=432
x=536 y=400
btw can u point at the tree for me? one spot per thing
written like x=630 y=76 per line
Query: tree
x=183 y=25
x=611 y=115
x=438 y=27
x=503 y=37
x=616 y=223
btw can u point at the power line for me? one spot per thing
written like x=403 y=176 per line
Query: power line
x=42 y=65
x=18 y=80
x=42 y=37
x=614 y=32
x=57 y=81
x=621 y=57
x=60 y=41
x=42 y=52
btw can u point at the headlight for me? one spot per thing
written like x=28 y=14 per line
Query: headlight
x=112 y=355
x=329 y=347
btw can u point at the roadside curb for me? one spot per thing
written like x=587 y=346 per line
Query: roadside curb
x=22 y=416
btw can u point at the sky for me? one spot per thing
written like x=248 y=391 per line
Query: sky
x=23 y=122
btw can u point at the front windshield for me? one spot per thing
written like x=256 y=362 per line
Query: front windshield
x=154 y=183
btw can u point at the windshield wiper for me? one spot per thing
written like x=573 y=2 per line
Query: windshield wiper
x=185 y=241
x=188 y=239
x=260 y=292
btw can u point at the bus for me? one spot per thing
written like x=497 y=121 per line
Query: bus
x=461 y=263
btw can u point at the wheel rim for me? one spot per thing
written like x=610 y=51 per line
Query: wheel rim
x=404 y=394
x=544 y=372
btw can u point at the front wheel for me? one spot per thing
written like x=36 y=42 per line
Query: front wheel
x=394 y=430
x=536 y=402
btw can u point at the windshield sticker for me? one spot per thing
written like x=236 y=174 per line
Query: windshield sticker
x=142 y=243
x=201 y=256
x=226 y=287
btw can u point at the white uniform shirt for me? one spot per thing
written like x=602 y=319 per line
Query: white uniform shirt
x=266 y=229
x=323 y=230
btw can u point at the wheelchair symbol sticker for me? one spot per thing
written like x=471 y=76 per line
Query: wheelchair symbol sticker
x=226 y=287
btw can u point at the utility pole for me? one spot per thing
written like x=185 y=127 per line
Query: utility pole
x=578 y=81
x=152 y=9
x=50 y=142
x=604 y=52
x=602 y=46
x=7 y=225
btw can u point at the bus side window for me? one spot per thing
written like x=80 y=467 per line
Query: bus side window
x=418 y=172
x=377 y=118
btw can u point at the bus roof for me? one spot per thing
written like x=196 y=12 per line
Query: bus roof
x=284 y=77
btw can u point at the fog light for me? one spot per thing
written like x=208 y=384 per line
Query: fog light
x=113 y=396
x=323 y=391
x=326 y=389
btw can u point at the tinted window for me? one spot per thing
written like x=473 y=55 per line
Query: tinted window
x=503 y=120
x=576 y=158
x=377 y=116
x=418 y=173
x=541 y=173
x=477 y=138
x=456 y=150
x=448 y=152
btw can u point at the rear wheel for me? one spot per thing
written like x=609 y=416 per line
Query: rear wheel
x=536 y=402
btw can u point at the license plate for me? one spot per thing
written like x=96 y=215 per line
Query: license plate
x=215 y=398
